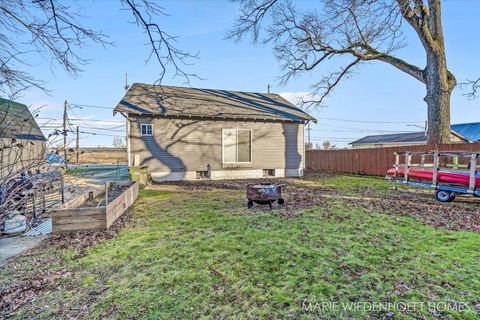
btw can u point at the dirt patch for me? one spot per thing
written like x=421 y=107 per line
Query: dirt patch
x=41 y=278
x=113 y=193
x=461 y=214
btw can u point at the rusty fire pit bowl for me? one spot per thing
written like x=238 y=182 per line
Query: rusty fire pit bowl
x=264 y=194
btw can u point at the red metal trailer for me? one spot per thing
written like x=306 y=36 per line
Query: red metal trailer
x=449 y=173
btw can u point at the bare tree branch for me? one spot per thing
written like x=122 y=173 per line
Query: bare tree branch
x=163 y=46
x=472 y=87
x=51 y=28
x=335 y=31
x=250 y=19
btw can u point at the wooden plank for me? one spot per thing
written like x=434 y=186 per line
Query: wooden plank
x=78 y=212
x=436 y=163
x=118 y=206
x=473 y=172
x=83 y=219
x=62 y=228
x=408 y=160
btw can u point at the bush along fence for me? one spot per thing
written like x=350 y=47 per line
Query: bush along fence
x=372 y=161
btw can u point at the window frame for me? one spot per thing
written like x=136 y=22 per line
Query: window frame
x=146 y=125
x=236 y=146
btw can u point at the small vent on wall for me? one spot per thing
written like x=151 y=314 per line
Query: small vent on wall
x=202 y=174
x=269 y=172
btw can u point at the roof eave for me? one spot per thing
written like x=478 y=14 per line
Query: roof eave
x=189 y=116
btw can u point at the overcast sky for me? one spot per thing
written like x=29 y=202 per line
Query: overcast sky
x=376 y=93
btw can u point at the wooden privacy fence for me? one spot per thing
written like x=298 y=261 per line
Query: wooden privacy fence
x=373 y=161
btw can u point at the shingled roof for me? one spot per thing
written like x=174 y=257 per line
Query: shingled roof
x=416 y=137
x=16 y=122
x=209 y=103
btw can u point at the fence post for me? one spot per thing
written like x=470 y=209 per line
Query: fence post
x=436 y=163
x=395 y=165
x=408 y=160
x=473 y=172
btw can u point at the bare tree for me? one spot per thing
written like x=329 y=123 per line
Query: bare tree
x=328 y=146
x=352 y=32
x=118 y=142
x=52 y=29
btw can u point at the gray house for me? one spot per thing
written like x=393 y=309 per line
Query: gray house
x=179 y=133
x=22 y=143
x=460 y=133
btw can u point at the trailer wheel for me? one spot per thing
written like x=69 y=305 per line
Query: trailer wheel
x=250 y=204
x=444 y=196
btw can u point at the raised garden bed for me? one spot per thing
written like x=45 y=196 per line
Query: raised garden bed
x=96 y=209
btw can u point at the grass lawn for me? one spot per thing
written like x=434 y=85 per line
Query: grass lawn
x=201 y=254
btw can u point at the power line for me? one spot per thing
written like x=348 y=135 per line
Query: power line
x=327 y=138
x=102 y=134
x=89 y=106
x=348 y=128
x=360 y=130
x=367 y=121
x=80 y=119
x=85 y=124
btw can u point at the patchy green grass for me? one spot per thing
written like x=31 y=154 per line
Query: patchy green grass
x=352 y=181
x=201 y=254
x=80 y=171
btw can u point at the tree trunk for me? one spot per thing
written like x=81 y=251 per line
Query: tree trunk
x=440 y=83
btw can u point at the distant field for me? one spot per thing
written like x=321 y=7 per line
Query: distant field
x=100 y=155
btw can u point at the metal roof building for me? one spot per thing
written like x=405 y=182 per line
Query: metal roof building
x=16 y=122
x=467 y=132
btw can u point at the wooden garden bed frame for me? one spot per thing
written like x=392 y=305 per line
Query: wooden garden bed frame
x=72 y=217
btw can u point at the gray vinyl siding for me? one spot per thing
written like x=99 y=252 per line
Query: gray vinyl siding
x=179 y=145
x=14 y=158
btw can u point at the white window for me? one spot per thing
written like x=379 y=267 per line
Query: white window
x=237 y=145
x=146 y=129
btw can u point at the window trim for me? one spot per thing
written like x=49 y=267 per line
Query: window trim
x=146 y=125
x=236 y=145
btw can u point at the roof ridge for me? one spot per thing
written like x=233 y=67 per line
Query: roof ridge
x=170 y=86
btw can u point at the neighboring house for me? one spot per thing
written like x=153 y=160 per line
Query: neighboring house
x=22 y=143
x=463 y=132
x=179 y=133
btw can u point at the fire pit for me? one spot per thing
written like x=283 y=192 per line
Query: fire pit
x=264 y=194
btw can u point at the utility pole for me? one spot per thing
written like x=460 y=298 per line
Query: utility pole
x=268 y=88
x=65 y=155
x=308 y=130
x=127 y=125
x=126 y=82
x=77 y=147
